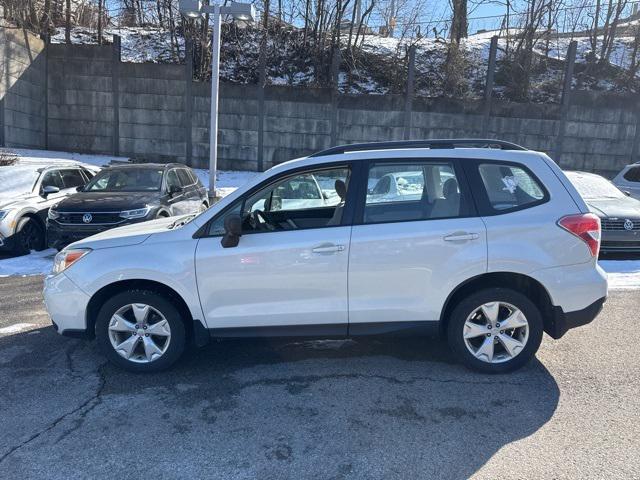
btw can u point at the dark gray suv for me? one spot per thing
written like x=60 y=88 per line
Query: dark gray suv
x=123 y=194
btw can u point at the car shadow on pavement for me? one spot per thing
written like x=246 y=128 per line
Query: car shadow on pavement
x=367 y=408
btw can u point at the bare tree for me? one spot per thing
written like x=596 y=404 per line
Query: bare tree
x=459 y=22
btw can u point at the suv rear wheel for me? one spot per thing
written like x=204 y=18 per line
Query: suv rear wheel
x=140 y=331
x=495 y=330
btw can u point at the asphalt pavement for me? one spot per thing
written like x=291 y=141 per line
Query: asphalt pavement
x=375 y=408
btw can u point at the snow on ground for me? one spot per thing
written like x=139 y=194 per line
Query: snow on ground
x=622 y=274
x=29 y=155
x=36 y=263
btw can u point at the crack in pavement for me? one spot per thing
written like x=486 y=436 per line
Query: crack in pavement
x=410 y=381
x=95 y=398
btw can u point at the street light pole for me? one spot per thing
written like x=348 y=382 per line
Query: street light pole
x=215 y=81
x=240 y=11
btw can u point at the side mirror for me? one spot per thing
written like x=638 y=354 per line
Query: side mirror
x=174 y=190
x=48 y=190
x=233 y=231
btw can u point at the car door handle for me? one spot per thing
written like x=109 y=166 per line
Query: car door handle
x=457 y=237
x=328 y=248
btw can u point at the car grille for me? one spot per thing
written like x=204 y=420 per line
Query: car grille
x=97 y=218
x=617 y=244
x=618 y=224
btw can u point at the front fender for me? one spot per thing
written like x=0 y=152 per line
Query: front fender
x=170 y=263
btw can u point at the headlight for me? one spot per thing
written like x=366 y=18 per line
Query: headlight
x=52 y=215
x=137 y=213
x=3 y=213
x=66 y=258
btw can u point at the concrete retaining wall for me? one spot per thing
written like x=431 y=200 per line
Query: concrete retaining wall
x=22 y=89
x=155 y=112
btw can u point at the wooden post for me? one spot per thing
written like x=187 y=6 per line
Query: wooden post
x=408 y=102
x=262 y=81
x=335 y=72
x=488 y=86
x=566 y=97
x=115 y=89
x=188 y=102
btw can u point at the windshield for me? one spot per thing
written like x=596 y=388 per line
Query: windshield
x=126 y=180
x=16 y=180
x=594 y=187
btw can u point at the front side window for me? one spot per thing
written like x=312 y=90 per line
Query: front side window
x=52 y=179
x=126 y=180
x=509 y=186
x=72 y=178
x=305 y=200
x=412 y=191
x=184 y=177
x=172 y=180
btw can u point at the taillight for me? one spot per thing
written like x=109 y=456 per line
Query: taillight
x=585 y=226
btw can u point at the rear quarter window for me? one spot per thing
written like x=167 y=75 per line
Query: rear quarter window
x=510 y=187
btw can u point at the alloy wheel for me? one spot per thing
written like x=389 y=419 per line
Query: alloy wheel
x=496 y=332
x=139 y=333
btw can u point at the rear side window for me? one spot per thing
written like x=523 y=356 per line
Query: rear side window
x=510 y=187
x=400 y=192
x=633 y=174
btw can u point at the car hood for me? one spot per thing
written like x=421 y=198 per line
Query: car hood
x=13 y=199
x=133 y=234
x=107 y=201
x=615 y=208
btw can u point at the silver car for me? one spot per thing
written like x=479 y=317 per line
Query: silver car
x=27 y=190
x=619 y=213
x=628 y=180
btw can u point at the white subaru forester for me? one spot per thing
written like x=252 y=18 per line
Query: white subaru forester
x=483 y=240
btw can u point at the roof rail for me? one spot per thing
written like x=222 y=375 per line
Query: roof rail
x=439 y=143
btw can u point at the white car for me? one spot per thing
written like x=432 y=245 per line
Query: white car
x=27 y=190
x=505 y=252
x=628 y=180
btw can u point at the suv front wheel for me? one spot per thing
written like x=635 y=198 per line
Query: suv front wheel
x=140 y=331
x=495 y=330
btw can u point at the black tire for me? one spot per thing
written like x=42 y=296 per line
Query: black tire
x=466 y=307
x=163 y=305
x=29 y=236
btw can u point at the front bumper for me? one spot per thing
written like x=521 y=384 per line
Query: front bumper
x=61 y=235
x=561 y=322
x=620 y=241
x=66 y=304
